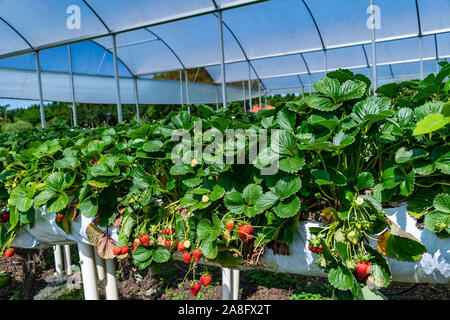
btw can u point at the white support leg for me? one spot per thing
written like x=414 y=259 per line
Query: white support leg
x=57 y=252
x=235 y=285
x=88 y=271
x=67 y=260
x=100 y=263
x=226 y=284
x=111 y=284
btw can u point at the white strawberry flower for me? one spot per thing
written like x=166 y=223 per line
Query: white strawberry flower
x=359 y=201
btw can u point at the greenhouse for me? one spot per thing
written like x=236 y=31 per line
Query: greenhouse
x=344 y=174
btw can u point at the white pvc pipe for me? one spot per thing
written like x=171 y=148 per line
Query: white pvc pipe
x=67 y=260
x=111 y=285
x=87 y=264
x=374 y=55
x=226 y=284
x=235 y=284
x=100 y=264
x=57 y=252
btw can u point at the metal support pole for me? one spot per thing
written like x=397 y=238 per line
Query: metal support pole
x=374 y=55
x=421 y=57
x=217 y=98
x=88 y=271
x=41 y=98
x=67 y=260
x=136 y=98
x=57 y=252
x=226 y=284
x=100 y=264
x=265 y=99
x=222 y=61
x=309 y=82
x=116 y=76
x=259 y=96
x=250 y=102
x=187 y=91
x=72 y=88
x=244 y=96
x=111 y=284
x=181 y=89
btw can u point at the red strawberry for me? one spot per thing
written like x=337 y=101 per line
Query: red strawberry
x=136 y=242
x=195 y=288
x=59 y=217
x=5 y=217
x=205 y=279
x=123 y=250
x=186 y=257
x=168 y=243
x=363 y=269
x=144 y=239
x=180 y=246
x=229 y=225
x=315 y=249
x=116 y=250
x=133 y=248
x=9 y=253
x=197 y=254
x=245 y=231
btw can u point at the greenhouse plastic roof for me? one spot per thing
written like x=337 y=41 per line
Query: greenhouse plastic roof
x=289 y=44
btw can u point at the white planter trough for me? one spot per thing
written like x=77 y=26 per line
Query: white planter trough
x=433 y=267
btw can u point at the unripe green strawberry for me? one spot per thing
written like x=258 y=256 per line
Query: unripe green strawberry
x=187 y=244
x=205 y=198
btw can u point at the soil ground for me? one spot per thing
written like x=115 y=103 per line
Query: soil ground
x=22 y=276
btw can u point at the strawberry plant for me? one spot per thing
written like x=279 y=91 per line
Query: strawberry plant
x=176 y=186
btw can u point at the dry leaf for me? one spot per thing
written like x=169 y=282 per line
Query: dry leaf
x=105 y=246
x=93 y=233
x=381 y=243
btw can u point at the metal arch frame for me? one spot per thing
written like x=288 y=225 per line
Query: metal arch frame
x=168 y=47
x=98 y=17
x=279 y=55
x=155 y=23
x=315 y=24
x=392 y=72
x=18 y=33
x=308 y=71
x=241 y=47
x=119 y=59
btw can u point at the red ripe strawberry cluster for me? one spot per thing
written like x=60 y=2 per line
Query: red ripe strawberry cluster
x=168 y=233
x=205 y=280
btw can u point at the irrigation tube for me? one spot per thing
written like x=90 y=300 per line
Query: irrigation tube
x=72 y=87
x=87 y=264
